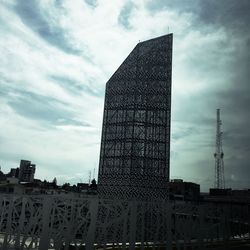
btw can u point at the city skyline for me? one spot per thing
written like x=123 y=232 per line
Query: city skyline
x=57 y=57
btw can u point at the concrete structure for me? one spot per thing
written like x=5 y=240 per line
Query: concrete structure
x=26 y=171
x=181 y=190
x=2 y=176
x=14 y=172
x=228 y=195
x=134 y=157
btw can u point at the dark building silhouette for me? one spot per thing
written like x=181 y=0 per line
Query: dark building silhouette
x=182 y=190
x=2 y=176
x=134 y=157
x=14 y=172
x=26 y=171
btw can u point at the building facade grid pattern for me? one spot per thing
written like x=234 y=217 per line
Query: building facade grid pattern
x=134 y=157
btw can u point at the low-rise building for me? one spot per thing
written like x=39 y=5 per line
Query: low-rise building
x=181 y=190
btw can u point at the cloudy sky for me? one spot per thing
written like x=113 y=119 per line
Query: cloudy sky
x=56 y=57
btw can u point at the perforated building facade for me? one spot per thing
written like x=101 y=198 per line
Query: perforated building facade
x=134 y=157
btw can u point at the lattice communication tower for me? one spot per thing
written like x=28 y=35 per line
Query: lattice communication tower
x=219 y=182
x=134 y=157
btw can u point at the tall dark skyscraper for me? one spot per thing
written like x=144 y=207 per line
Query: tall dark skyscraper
x=134 y=157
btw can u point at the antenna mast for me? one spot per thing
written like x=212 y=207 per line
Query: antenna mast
x=89 y=177
x=218 y=156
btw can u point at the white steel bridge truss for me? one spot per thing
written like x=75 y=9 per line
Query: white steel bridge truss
x=57 y=222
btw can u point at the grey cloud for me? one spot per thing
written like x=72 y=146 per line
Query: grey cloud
x=46 y=109
x=236 y=172
x=11 y=157
x=236 y=123
x=126 y=11
x=31 y=15
x=200 y=172
x=182 y=133
x=198 y=109
x=92 y=3
x=233 y=75
x=231 y=14
x=77 y=87
x=177 y=5
x=236 y=136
